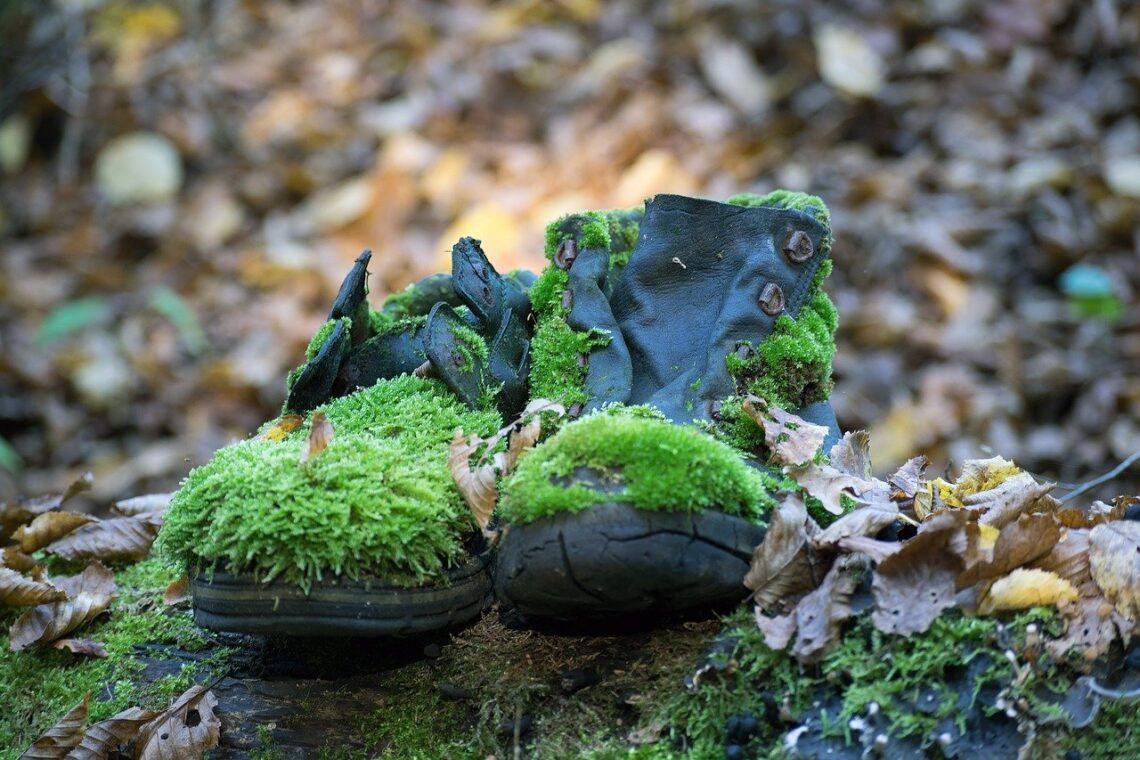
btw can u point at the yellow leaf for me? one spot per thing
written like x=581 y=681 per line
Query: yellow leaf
x=984 y=475
x=1114 y=558
x=988 y=536
x=284 y=427
x=1024 y=588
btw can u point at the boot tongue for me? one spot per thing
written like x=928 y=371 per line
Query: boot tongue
x=703 y=277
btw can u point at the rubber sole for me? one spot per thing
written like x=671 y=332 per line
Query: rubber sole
x=340 y=607
x=613 y=559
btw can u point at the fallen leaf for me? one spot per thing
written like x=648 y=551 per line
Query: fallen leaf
x=1018 y=543
x=65 y=734
x=784 y=566
x=915 y=584
x=82 y=646
x=1069 y=558
x=119 y=539
x=1024 y=588
x=1015 y=496
x=48 y=527
x=1091 y=626
x=17 y=560
x=320 y=435
x=828 y=484
x=851 y=454
x=186 y=729
x=1114 y=559
x=284 y=426
x=17 y=590
x=984 y=475
x=88 y=594
x=847 y=62
x=777 y=630
x=906 y=480
x=865 y=520
x=476 y=485
x=529 y=429
x=790 y=439
x=177 y=592
x=153 y=502
x=14 y=515
x=820 y=614
x=877 y=551
x=107 y=736
x=139 y=167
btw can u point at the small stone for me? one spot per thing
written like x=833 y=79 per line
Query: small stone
x=140 y=167
x=433 y=651
x=847 y=62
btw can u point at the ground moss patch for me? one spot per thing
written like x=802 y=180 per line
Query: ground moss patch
x=38 y=686
x=378 y=501
x=651 y=464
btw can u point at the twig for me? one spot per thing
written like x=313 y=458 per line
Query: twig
x=1091 y=484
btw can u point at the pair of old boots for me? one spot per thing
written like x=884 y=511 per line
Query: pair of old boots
x=647 y=328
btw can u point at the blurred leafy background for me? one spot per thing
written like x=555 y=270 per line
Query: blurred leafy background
x=184 y=183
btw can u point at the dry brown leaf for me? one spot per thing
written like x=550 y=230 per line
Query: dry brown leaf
x=82 y=646
x=1017 y=495
x=980 y=475
x=476 y=486
x=1069 y=558
x=1114 y=559
x=1018 y=543
x=828 y=484
x=527 y=433
x=177 y=592
x=1091 y=625
x=778 y=630
x=106 y=736
x=17 y=560
x=155 y=503
x=320 y=435
x=866 y=520
x=283 y=427
x=14 y=515
x=18 y=590
x=184 y=730
x=915 y=584
x=784 y=565
x=820 y=614
x=61 y=737
x=790 y=439
x=877 y=551
x=1024 y=588
x=88 y=594
x=852 y=454
x=119 y=539
x=48 y=527
x=906 y=482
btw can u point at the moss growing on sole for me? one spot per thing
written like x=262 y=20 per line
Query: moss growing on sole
x=650 y=464
x=40 y=685
x=378 y=501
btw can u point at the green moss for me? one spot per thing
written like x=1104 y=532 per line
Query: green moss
x=322 y=334
x=1115 y=734
x=653 y=465
x=40 y=685
x=378 y=501
x=471 y=345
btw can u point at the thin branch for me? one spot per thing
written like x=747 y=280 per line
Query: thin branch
x=1091 y=484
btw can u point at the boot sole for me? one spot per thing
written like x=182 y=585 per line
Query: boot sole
x=340 y=607
x=612 y=560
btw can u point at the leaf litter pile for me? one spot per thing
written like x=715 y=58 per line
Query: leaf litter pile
x=40 y=535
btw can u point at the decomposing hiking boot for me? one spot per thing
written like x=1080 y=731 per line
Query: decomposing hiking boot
x=616 y=513
x=362 y=533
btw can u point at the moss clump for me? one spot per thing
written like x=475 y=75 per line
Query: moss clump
x=792 y=366
x=655 y=465
x=378 y=501
x=41 y=685
x=322 y=334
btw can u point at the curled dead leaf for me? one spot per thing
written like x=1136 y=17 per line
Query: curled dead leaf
x=107 y=736
x=820 y=614
x=82 y=646
x=1091 y=626
x=155 y=503
x=177 y=592
x=1069 y=558
x=186 y=729
x=906 y=482
x=283 y=427
x=119 y=539
x=14 y=515
x=852 y=454
x=829 y=485
x=17 y=590
x=791 y=440
x=1018 y=543
x=915 y=584
x=1114 y=559
x=17 y=560
x=785 y=566
x=88 y=595
x=1024 y=588
x=476 y=485
x=320 y=436
x=65 y=734
x=1016 y=495
x=866 y=520
x=48 y=527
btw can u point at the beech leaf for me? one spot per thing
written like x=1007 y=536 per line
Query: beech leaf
x=1091 y=625
x=284 y=426
x=476 y=485
x=1018 y=543
x=155 y=503
x=1024 y=588
x=119 y=539
x=17 y=590
x=852 y=454
x=820 y=614
x=105 y=737
x=1002 y=504
x=915 y=584
x=177 y=592
x=88 y=595
x=82 y=646
x=15 y=515
x=17 y=560
x=1114 y=559
x=48 y=527
x=866 y=520
x=186 y=729
x=320 y=435
x=828 y=484
x=907 y=479
x=790 y=439
x=784 y=565
x=65 y=734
